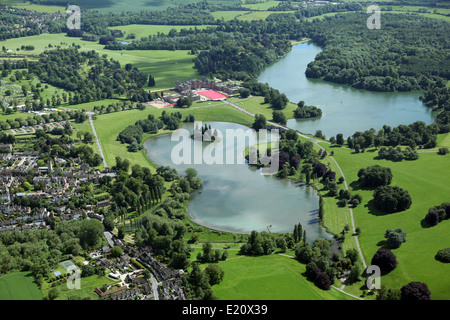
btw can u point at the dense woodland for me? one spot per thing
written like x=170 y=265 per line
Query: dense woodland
x=388 y=59
x=87 y=76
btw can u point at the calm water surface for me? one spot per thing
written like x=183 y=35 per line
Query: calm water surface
x=236 y=197
x=345 y=109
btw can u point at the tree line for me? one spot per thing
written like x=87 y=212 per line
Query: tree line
x=104 y=79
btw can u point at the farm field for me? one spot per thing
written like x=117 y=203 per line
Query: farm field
x=35 y=7
x=19 y=286
x=261 y=6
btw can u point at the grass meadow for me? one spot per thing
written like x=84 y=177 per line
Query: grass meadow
x=256 y=105
x=141 y=30
x=271 y=277
x=19 y=286
x=426 y=180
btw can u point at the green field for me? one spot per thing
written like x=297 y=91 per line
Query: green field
x=262 y=6
x=35 y=7
x=141 y=30
x=426 y=180
x=435 y=13
x=272 y=277
x=19 y=286
x=256 y=105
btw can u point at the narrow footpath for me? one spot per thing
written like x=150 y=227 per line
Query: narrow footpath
x=96 y=139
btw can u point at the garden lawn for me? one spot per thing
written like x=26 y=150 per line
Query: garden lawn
x=19 y=286
x=262 y=5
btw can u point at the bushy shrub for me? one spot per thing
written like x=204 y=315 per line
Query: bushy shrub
x=374 y=176
x=385 y=260
x=395 y=238
x=391 y=199
x=443 y=255
x=396 y=154
x=438 y=213
x=414 y=291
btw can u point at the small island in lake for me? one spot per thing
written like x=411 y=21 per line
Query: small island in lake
x=205 y=134
x=304 y=111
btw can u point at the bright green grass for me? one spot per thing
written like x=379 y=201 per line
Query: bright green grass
x=441 y=13
x=272 y=277
x=87 y=287
x=443 y=140
x=91 y=105
x=426 y=180
x=262 y=6
x=20 y=4
x=40 y=8
x=417 y=8
x=141 y=30
x=19 y=286
x=86 y=127
x=256 y=105
x=166 y=66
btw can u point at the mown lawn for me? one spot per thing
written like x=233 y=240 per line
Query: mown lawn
x=144 y=30
x=19 y=286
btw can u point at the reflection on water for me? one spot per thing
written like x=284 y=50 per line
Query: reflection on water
x=345 y=109
x=237 y=198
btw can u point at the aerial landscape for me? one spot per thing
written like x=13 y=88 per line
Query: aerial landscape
x=244 y=150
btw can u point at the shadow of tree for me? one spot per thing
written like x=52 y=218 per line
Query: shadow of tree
x=373 y=210
x=425 y=224
x=383 y=244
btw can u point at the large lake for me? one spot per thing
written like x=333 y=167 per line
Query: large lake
x=236 y=197
x=345 y=109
